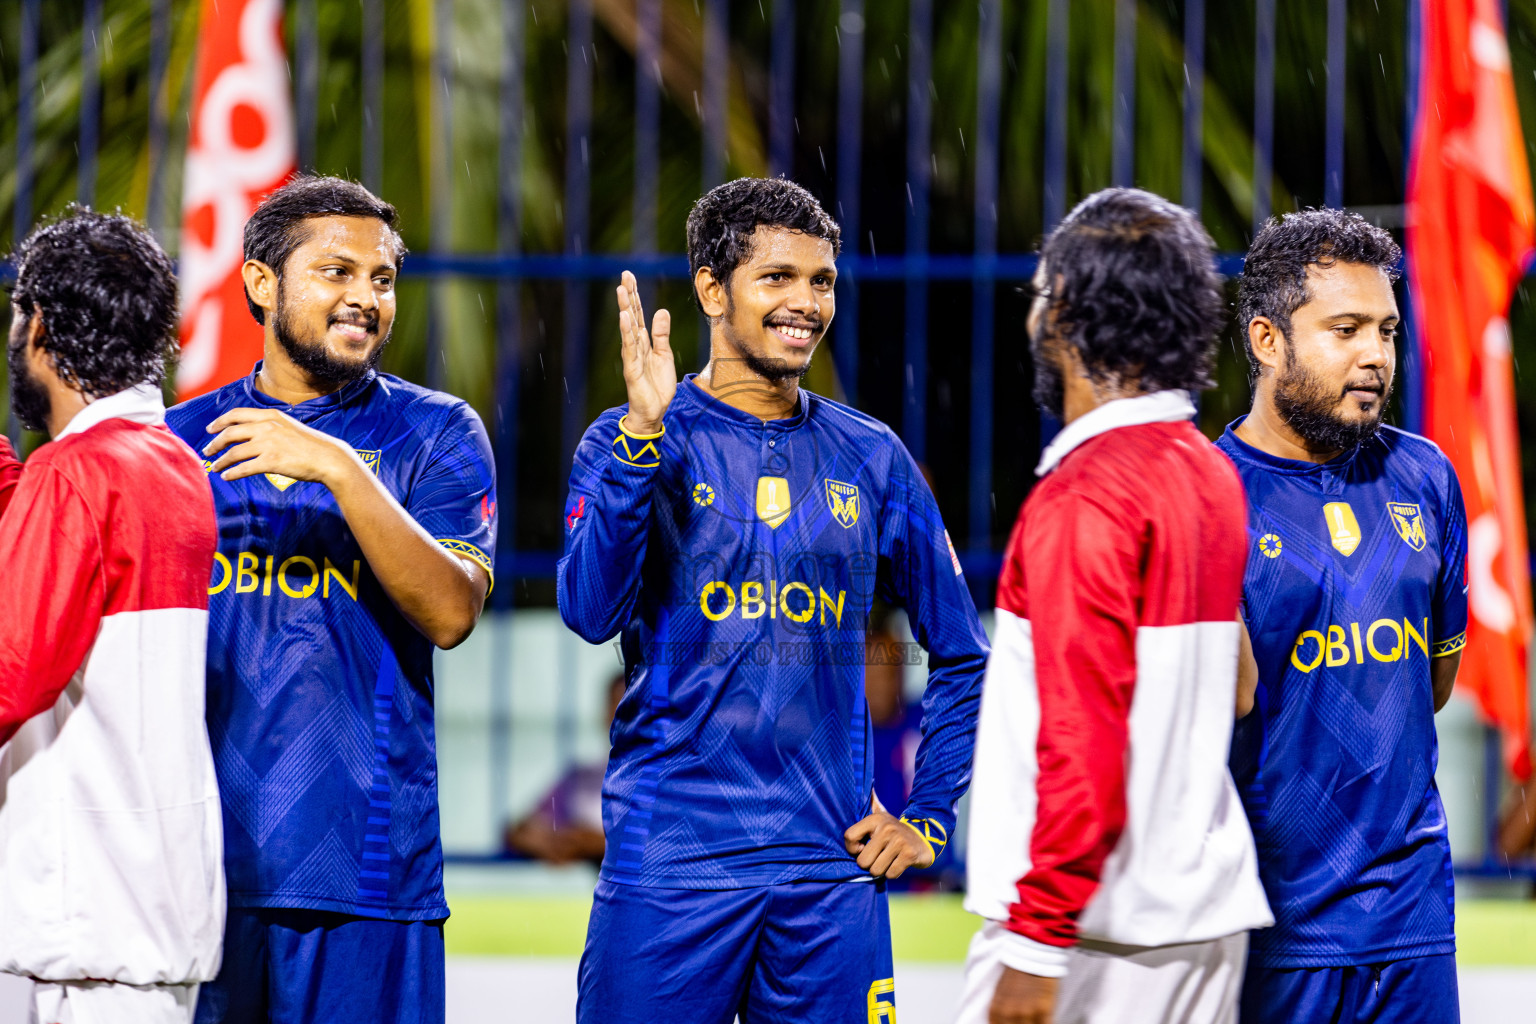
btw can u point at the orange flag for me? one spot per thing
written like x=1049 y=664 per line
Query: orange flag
x=1470 y=233
x=241 y=148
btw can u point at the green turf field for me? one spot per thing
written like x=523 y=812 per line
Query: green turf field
x=924 y=929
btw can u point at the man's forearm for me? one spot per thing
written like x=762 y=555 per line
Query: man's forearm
x=1442 y=677
x=440 y=593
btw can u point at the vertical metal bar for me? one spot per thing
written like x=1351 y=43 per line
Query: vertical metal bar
x=509 y=319
x=1056 y=37
x=850 y=159
x=1263 y=109
x=781 y=91
x=373 y=95
x=914 y=420
x=159 y=61
x=989 y=89
x=1194 y=103
x=1333 y=158
x=578 y=169
x=647 y=123
x=306 y=57
x=717 y=57
x=90 y=103
x=1123 y=119
x=1415 y=361
x=26 y=119
x=442 y=187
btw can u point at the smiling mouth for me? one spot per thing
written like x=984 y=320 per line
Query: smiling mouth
x=790 y=333
x=352 y=329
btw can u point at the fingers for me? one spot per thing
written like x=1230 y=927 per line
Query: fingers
x=254 y=463
x=891 y=862
x=636 y=310
x=239 y=453
x=230 y=435
x=661 y=332
x=246 y=415
x=856 y=834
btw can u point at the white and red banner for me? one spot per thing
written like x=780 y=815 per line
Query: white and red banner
x=241 y=148
x=1470 y=232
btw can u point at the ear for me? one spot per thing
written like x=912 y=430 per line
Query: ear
x=260 y=286
x=711 y=293
x=39 y=359
x=1265 y=339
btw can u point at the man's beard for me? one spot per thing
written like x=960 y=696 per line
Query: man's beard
x=1309 y=406
x=1050 y=391
x=314 y=358
x=29 y=399
x=774 y=370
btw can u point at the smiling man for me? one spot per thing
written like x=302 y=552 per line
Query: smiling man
x=1355 y=601
x=357 y=517
x=734 y=529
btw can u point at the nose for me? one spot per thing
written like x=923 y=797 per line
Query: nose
x=802 y=299
x=1376 y=351
x=360 y=293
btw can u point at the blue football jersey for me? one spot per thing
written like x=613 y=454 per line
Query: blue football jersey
x=738 y=559
x=320 y=693
x=1355 y=582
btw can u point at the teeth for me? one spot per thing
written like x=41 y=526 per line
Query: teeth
x=798 y=333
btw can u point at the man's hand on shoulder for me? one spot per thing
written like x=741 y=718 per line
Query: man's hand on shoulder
x=885 y=846
x=267 y=441
x=1023 y=999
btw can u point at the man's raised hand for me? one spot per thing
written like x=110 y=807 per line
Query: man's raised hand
x=650 y=374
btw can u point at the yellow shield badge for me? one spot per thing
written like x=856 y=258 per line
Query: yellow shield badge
x=773 y=500
x=843 y=500
x=1409 y=522
x=1343 y=527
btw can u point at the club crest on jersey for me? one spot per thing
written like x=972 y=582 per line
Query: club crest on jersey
x=773 y=500
x=843 y=500
x=1409 y=522
x=1343 y=527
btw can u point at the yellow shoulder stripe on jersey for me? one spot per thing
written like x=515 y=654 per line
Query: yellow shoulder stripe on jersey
x=637 y=449
x=1449 y=645
x=474 y=554
x=926 y=829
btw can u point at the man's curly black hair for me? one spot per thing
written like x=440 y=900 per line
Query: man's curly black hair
x=107 y=295
x=1134 y=289
x=276 y=229
x=722 y=223
x=1274 y=279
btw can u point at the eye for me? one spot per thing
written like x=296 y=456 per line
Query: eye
x=1346 y=330
x=1389 y=330
x=384 y=282
x=333 y=272
x=822 y=281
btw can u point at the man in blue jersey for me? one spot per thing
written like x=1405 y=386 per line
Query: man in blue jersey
x=734 y=529
x=1356 y=609
x=357 y=517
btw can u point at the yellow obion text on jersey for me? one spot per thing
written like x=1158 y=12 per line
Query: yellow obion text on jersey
x=796 y=601
x=1384 y=640
x=297 y=576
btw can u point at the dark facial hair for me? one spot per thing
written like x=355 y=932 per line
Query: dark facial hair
x=1050 y=391
x=773 y=370
x=29 y=399
x=311 y=355
x=1310 y=407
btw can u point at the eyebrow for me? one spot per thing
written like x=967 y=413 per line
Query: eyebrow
x=1363 y=318
x=349 y=261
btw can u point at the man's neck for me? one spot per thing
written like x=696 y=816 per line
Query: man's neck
x=1265 y=429
x=281 y=379
x=64 y=404
x=729 y=379
x=1080 y=396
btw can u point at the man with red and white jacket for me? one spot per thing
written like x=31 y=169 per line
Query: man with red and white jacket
x=1108 y=850
x=111 y=869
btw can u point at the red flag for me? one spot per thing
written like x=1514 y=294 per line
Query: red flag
x=1470 y=232
x=241 y=148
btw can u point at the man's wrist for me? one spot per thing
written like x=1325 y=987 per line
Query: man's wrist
x=641 y=430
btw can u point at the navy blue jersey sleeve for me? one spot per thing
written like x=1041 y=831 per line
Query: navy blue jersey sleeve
x=454 y=498
x=607 y=514
x=1450 y=600
x=920 y=572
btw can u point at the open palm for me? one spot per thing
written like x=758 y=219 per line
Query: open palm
x=650 y=373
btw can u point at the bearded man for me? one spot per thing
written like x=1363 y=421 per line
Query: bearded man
x=1355 y=601
x=356 y=530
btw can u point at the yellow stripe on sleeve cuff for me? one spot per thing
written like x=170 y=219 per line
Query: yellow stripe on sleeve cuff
x=1449 y=645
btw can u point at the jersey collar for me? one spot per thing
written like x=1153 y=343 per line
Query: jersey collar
x=690 y=387
x=141 y=404
x=314 y=406
x=1158 y=407
x=1242 y=449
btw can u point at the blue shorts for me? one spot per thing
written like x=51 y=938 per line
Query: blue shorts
x=806 y=952
x=1420 y=990
x=316 y=967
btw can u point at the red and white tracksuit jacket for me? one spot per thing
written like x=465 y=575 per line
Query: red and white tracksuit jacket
x=1101 y=805
x=111 y=852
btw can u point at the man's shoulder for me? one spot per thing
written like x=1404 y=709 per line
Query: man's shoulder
x=1407 y=454
x=419 y=406
x=188 y=418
